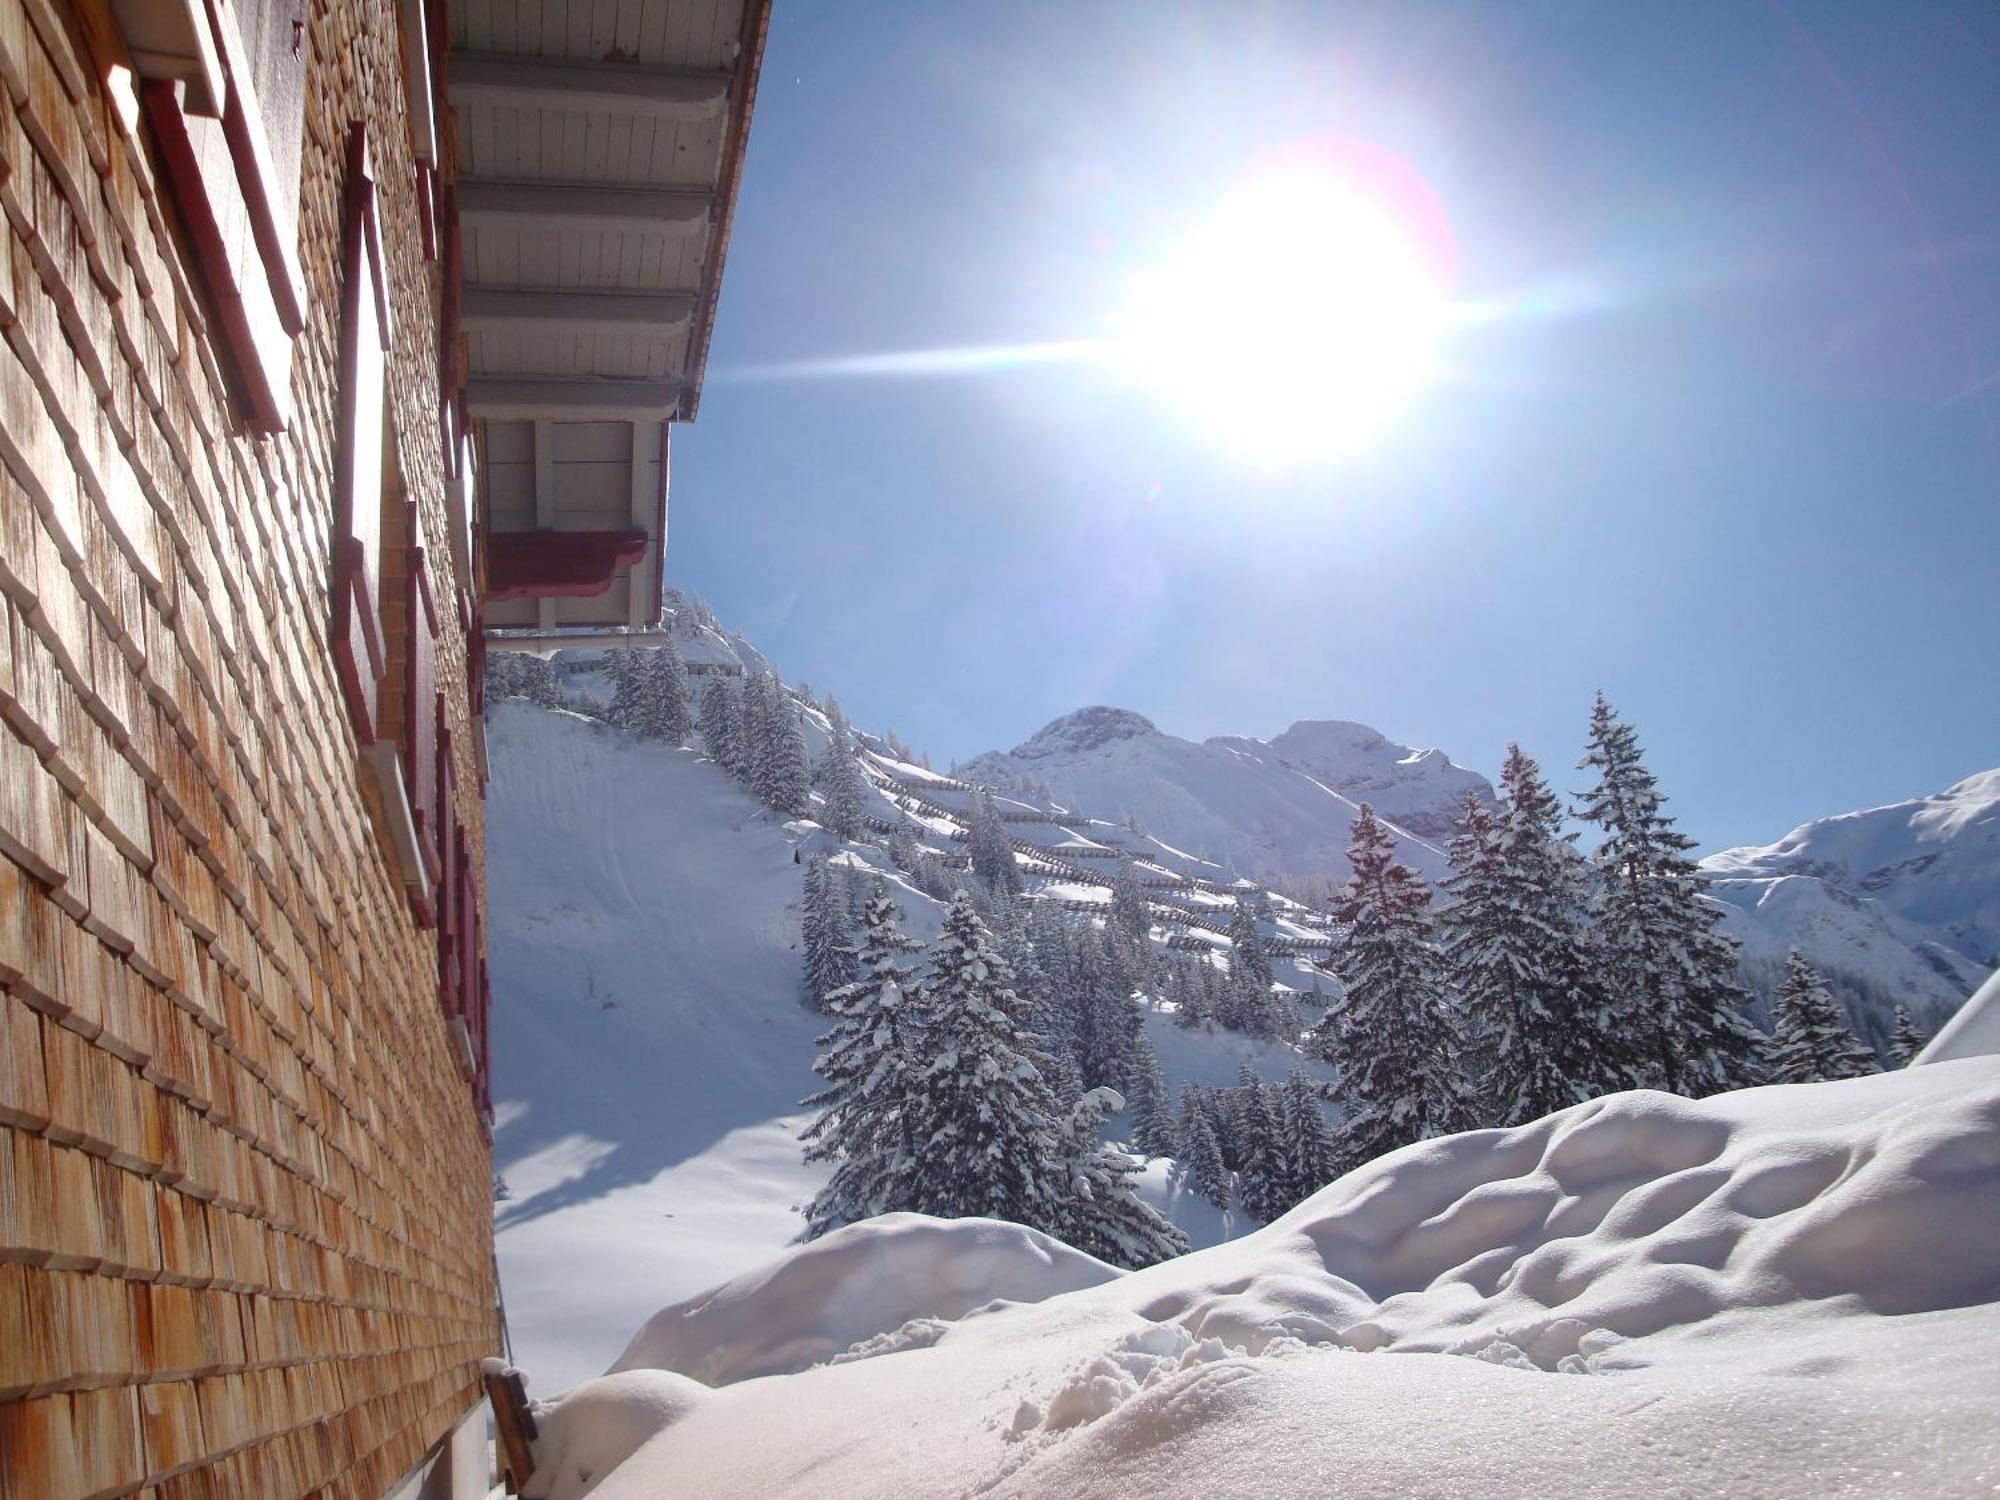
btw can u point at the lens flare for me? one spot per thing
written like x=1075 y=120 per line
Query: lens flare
x=1305 y=313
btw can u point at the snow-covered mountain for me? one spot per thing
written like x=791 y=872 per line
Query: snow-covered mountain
x=650 y=1043
x=1896 y=904
x=1259 y=808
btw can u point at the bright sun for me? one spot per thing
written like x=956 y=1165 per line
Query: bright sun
x=1304 y=314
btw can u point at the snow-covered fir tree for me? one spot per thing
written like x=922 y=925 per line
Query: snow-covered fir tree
x=987 y=1121
x=788 y=784
x=992 y=854
x=840 y=777
x=1197 y=995
x=1201 y=1152
x=756 y=732
x=829 y=955
x=1129 y=911
x=870 y=1060
x=1906 y=1040
x=1102 y=1213
x=627 y=675
x=1811 y=1041
x=1247 y=1006
x=743 y=732
x=1396 y=1039
x=1520 y=957
x=1675 y=1003
x=1309 y=1145
x=537 y=680
x=718 y=722
x=1101 y=998
x=1262 y=1179
x=1146 y=1095
x=664 y=712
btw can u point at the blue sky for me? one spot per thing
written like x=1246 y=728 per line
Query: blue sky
x=1721 y=447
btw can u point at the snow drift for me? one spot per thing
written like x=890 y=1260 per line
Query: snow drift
x=1784 y=1289
x=859 y=1284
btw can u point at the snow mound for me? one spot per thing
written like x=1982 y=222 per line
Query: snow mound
x=591 y=1429
x=1973 y=1032
x=1783 y=1290
x=872 y=1287
x=1631 y=1216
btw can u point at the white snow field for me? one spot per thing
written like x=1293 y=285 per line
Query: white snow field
x=1787 y=1290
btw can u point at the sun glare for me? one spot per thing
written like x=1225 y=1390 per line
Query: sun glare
x=1304 y=314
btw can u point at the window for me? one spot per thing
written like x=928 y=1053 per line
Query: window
x=223 y=89
x=360 y=454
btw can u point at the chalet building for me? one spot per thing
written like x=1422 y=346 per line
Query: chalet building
x=332 y=332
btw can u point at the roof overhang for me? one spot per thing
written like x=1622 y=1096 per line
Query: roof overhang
x=599 y=146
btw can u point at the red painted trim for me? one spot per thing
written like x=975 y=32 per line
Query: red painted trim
x=660 y=525
x=427 y=209
x=357 y=650
x=558 y=564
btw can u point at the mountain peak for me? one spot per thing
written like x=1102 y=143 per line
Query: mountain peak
x=1087 y=729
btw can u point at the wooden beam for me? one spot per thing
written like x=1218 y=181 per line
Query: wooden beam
x=620 y=312
x=575 y=400
x=622 y=88
x=522 y=205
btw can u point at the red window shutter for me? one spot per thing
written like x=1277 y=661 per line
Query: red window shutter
x=485 y=1039
x=420 y=714
x=468 y=931
x=447 y=837
x=357 y=475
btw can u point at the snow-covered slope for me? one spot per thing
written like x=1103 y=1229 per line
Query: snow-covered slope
x=1258 y=808
x=650 y=1045
x=1779 y=1291
x=1898 y=904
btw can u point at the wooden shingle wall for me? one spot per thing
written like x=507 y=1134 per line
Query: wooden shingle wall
x=245 y=1215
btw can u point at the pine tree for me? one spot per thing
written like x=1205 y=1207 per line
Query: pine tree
x=755 y=730
x=788 y=779
x=1905 y=1040
x=1810 y=1038
x=1309 y=1143
x=1100 y=1213
x=1261 y=1171
x=987 y=1121
x=840 y=777
x=539 y=683
x=627 y=687
x=1107 y=1020
x=718 y=722
x=1129 y=912
x=870 y=1060
x=666 y=695
x=743 y=732
x=1675 y=1001
x=1519 y=955
x=992 y=853
x=1146 y=1091
x=1396 y=1038
x=1201 y=1153
x=829 y=960
x=1249 y=1005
